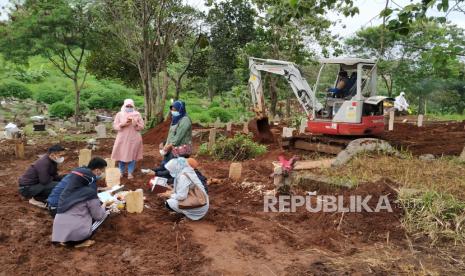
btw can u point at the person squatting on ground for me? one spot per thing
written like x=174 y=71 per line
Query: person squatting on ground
x=179 y=140
x=128 y=143
x=42 y=176
x=185 y=179
x=79 y=212
x=93 y=171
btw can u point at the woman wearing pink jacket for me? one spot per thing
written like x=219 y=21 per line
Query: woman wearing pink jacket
x=128 y=144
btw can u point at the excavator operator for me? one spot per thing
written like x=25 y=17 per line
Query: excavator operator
x=340 y=86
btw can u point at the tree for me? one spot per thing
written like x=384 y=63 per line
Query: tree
x=231 y=28
x=146 y=31
x=183 y=57
x=59 y=30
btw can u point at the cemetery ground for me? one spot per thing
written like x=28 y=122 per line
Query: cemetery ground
x=237 y=237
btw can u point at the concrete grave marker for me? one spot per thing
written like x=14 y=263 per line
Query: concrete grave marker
x=229 y=127
x=235 y=171
x=87 y=126
x=112 y=177
x=420 y=120
x=288 y=131
x=101 y=131
x=217 y=123
x=19 y=149
x=110 y=163
x=135 y=201
x=212 y=138
x=246 y=128
x=84 y=157
x=391 y=120
x=303 y=125
x=276 y=119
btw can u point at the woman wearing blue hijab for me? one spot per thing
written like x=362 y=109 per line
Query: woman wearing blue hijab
x=179 y=141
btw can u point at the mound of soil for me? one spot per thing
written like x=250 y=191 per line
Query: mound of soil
x=158 y=134
x=438 y=138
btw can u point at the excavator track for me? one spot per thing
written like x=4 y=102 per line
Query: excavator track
x=318 y=143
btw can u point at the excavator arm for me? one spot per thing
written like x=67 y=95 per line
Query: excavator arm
x=305 y=95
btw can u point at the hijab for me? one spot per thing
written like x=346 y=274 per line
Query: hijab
x=176 y=165
x=180 y=106
x=125 y=114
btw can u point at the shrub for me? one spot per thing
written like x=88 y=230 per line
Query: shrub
x=238 y=148
x=15 y=90
x=61 y=109
x=218 y=112
x=50 y=97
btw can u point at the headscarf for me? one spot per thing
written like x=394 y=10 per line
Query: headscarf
x=82 y=188
x=180 y=106
x=125 y=114
x=176 y=165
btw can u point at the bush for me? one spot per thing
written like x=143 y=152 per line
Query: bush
x=238 y=148
x=15 y=90
x=61 y=109
x=50 y=97
x=218 y=112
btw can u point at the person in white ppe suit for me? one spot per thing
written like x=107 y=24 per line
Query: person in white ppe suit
x=400 y=104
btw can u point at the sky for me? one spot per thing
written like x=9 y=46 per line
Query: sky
x=369 y=9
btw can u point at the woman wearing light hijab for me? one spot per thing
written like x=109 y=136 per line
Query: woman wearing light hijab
x=184 y=177
x=128 y=144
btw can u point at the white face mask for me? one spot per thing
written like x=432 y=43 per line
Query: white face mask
x=59 y=160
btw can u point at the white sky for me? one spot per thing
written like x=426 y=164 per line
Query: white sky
x=369 y=9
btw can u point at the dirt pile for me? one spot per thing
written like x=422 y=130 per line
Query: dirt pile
x=439 y=138
x=158 y=134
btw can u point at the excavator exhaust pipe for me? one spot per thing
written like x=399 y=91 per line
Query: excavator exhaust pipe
x=261 y=130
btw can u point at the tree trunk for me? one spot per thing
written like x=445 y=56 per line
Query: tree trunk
x=273 y=96
x=77 y=105
x=160 y=97
x=288 y=107
x=211 y=94
x=421 y=104
x=178 y=86
x=388 y=83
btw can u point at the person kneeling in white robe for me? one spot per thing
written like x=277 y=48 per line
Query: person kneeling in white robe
x=184 y=177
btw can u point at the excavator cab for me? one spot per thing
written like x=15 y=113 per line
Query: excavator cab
x=357 y=111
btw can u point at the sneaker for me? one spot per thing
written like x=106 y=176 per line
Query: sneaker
x=37 y=203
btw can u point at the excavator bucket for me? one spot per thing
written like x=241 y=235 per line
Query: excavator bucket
x=261 y=130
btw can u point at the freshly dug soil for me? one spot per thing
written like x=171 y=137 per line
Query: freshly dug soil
x=447 y=138
x=158 y=134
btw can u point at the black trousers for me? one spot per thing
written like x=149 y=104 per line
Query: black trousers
x=39 y=192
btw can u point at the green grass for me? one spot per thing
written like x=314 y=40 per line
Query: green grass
x=447 y=117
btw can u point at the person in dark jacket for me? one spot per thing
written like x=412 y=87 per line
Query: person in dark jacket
x=42 y=176
x=93 y=168
x=79 y=210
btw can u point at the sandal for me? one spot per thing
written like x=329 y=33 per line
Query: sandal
x=37 y=203
x=87 y=243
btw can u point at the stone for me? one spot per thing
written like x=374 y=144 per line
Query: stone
x=84 y=157
x=87 y=127
x=101 y=131
x=135 y=201
x=426 y=157
x=229 y=127
x=112 y=177
x=235 y=171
